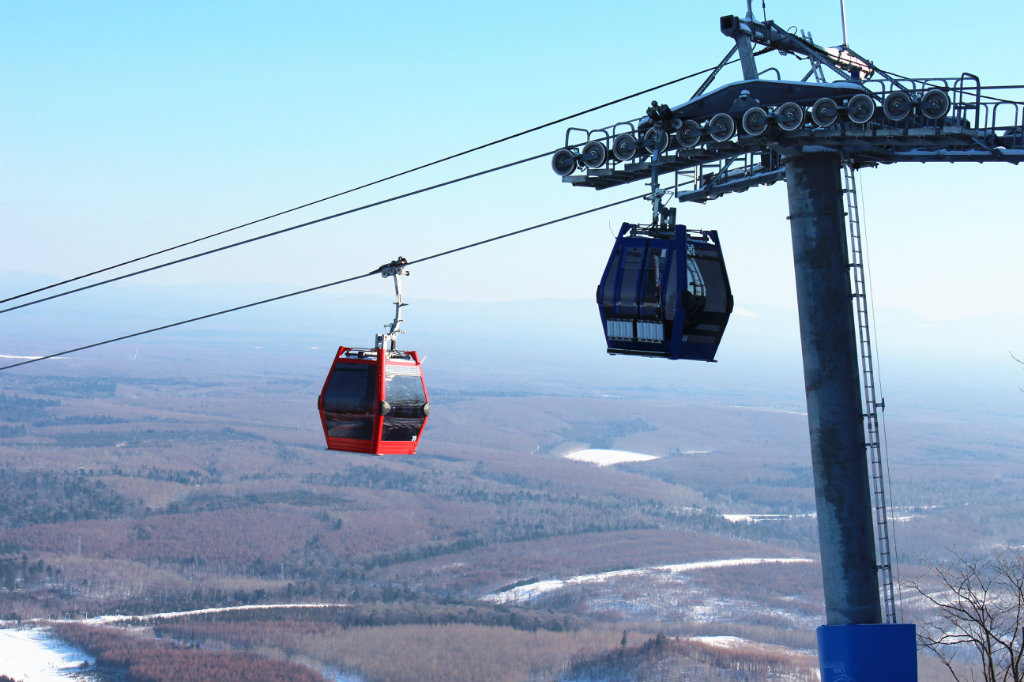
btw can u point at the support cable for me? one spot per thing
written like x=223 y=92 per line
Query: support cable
x=276 y=232
x=898 y=582
x=895 y=77
x=339 y=282
x=365 y=185
x=871 y=403
x=890 y=75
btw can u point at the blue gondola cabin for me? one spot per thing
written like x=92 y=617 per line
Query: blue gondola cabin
x=665 y=293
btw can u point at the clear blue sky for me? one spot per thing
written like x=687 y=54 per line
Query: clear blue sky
x=132 y=126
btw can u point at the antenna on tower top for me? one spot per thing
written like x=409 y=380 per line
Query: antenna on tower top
x=842 y=10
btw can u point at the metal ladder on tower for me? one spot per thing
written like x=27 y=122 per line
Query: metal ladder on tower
x=871 y=404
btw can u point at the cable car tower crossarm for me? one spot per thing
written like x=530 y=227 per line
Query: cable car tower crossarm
x=808 y=133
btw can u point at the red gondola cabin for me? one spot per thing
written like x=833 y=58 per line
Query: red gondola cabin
x=374 y=401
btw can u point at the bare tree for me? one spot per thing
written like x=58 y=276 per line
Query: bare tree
x=980 y=610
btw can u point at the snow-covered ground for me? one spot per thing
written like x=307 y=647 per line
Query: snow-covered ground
x=535 y=589
x=730 y=642
x=724 y=641
x=758 y=408
x=806 y=659
x=603 y=458
x=220 y=609
x=31 y=655
x=757 y=518
x=339 y=676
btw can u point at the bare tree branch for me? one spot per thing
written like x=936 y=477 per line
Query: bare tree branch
x=979 y=607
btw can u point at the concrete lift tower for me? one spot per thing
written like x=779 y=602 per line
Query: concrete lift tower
x=812 y=133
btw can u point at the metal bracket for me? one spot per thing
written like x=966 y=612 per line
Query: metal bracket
x=396 y=269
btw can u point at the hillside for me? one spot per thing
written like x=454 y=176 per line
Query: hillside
x=178 y=482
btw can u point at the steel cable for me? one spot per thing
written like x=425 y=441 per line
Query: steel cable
x=353 y=189
x=414 y=261
x=276 y=232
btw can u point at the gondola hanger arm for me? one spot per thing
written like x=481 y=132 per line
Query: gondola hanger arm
x=395 y=269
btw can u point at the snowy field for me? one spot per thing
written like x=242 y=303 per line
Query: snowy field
x=535 y=589
x=220 y=609
x=603 y=458
x=758 y=518
x=31 y=655
x=758 y=408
